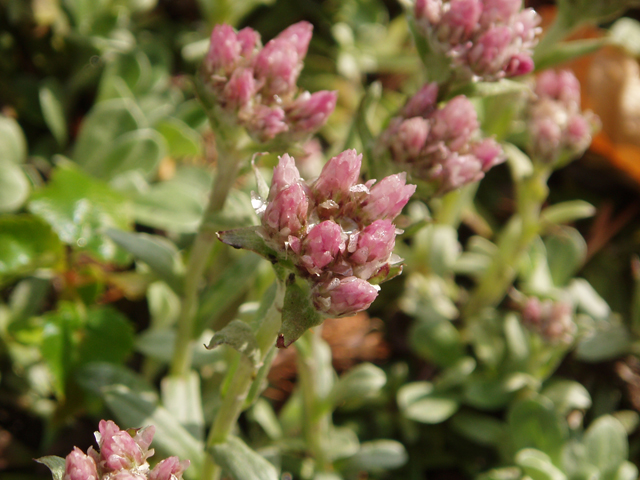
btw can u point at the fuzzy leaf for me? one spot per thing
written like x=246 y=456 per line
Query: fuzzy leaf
x=298 y=313
x=55 y=464
x=235 y=457
x=239 y=336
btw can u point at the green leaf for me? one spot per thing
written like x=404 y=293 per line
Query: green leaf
x=158 y=252
x=227 y=289
x=341 y=442
x=13 y=145
x=608 y=343
x=538 y=465
x=567 y=51
x=55 y=464
x=181 y=139
x=139 y=150
x=479 y=428
x=26 y=244
x=418 y=402
x=159 y=344
x=239 y=336
x=567 y=395
x=56 y=349
x=363 y=381
x=105 y=122
x=78 y=208
x=298 y=312
x=242 y=463
x=378 y=455
x=490 y=89
x=53 y=110
x=588 y=300
x=627 y=471
x=507 y=473
x=14 y=187
x=108 y=337
x=437 y=340
x=566 y=253
x=534 y=423
x=519 y=163
x=93 y=377
x=262 y=413
x=455 y=375
x=607 y=444
x=567 y=212
x=181 y=396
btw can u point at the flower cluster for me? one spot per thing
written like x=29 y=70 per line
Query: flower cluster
x=440 y=146
x=121 y=457
x=484 y=39
x=256 y=87
x=338 y=232
x=556 y=124
x=553 y=321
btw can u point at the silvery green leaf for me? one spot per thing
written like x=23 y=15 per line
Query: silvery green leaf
x=238 y=335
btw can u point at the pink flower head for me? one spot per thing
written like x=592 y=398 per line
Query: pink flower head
x=339 y=175
x=224 y=51
x=249 y=40
x=341 y=298
x=562 y=86
x=168 y=469
x=284 y=174
x=499 y=11
x=119 y=450
x=79 y=466
x=299 y=35
x=519 y=64
x=321 y=245
x=266 y=123
x=551 y=320
x=489 y=152
x=375 y=245
x=240 y=89
x=460 y=20
x=388 y=197
x=287 y=213
x=410 y=138
x=455 y=123
x=310 y=111
x=422 y=103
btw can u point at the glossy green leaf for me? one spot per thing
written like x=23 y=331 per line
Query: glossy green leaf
x=107 y=337
x=418 y=402
x=52 y=107
x=26 y=244
x=479 y=428
x=79 y=208
x=607 y=444
x=158 y=252
x=14 y=187
x=567 y=395
x=13 y=145
x=181 y=139
x=538 y=465
x=534 y=423
x=364 y=380
x=242 y=463
x=566 y=253
x=379 y=455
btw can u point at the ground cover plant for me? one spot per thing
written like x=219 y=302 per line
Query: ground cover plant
x=326 y=240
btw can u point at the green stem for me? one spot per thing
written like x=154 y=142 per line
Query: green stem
x=514 y=242
x=228 y=165
x=557 y=32
x=315 y=423
x=233 y=402
x=453 y=204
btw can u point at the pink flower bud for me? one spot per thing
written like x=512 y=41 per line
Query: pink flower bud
x=499 y=11
x=488 y=55
x=224 y=50
x=287 y=213
x=489 y=152
x=309 y=112
x=562 y=86
x=375 y=244
x=338 y=175
x=457 y=171
x=578 y=133
x=284 y=174
x=266 y=122
x=460 y=20
x=344 y=297
x=410 y=139
x=249 y=39
x=118 y=450
x=422 y=103
x=321 y=245
x=519 y=64
x=388 y=197
x=240 y=89
x=79 y=466
x=455 y=123
x=299 y=35
x=551 y=320
x=428 y=10
x=169 y=469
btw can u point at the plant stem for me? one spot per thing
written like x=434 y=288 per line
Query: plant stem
x=514 y=241
x=315 y=420
x=228 y=164
x=233 y=402
x=558 y=31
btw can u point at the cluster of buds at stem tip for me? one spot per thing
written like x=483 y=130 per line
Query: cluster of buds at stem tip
x=552 y=320
x=337 y=232
x=558 y=128
x=484 y=39
x=121 y=457
x=440 y=146
x=255 y=87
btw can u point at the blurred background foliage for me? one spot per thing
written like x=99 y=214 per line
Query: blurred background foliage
x=100 y=130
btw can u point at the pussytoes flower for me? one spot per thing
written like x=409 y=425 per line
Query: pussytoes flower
x=483 y=39
x=255 y=87
x=440 y=146
x=121 y=456
x=557 y=126
x=337 y=232
x=552 y=320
